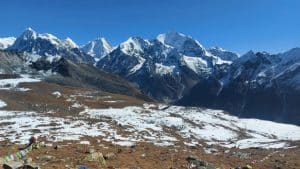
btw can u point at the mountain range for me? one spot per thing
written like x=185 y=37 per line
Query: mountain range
x=172 y=67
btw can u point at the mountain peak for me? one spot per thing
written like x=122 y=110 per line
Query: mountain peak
x=101 y=39
x=70 y=43
x=29 y=29
x=170 y=37
x=98 y=47
x=179 y=41
x=134 y=44
x=29 y=33
x=6 y=42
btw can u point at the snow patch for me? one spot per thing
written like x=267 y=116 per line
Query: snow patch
x=138 y=66
x=161 y=69
x=212 y=126
x=84 y=142
x=76 y=105
x=8 y=84
x=57 y=94
x=196 y=64
x=130 y=125
x=2 y=104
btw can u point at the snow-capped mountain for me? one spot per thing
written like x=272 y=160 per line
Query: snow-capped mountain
x=257 y=85
x=165 y=67
x=48 y=47
x=184 y=44
x=97 y=48
x=6 y=42
x=223 y=54
x=68 y=42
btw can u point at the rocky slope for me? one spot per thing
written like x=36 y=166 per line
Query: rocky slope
x=65 y=72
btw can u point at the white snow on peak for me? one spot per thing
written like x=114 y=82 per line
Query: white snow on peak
x=218 y=49
x=133 y=45
x=6 y=42
x=30 y=34
x=97 y=48
x=68 y=42
x=224 y=56
x=175 y=39
x=53 y=39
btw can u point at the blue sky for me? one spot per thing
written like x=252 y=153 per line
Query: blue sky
x=237 y=25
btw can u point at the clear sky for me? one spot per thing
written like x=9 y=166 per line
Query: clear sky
x=237 y=25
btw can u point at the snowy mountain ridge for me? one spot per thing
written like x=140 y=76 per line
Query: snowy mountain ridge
x=176 y=59
x=6 y=42
x=259 y=85
x=97 y=48
x=45 y=46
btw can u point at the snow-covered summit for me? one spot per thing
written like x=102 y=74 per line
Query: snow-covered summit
x=171 y=61
x=134 y=44
x=182 y=43
x=29 y=33
x=68 y=42
x=49 y=47
x=97 y=48
x=175 y=39
x=6 y=42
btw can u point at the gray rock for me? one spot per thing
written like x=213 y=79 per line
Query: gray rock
x=241 y=155
x=19 y=165
x=91 y=150
x=27 y=160
x=45 y=158
x=135 y=167
x=12 y=165
x=109 y=156
x=195 y=163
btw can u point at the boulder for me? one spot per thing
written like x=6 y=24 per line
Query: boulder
x=195 y=163
x=19 y=165
x=96 y=156
x=109 y=156
x=45 y=158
